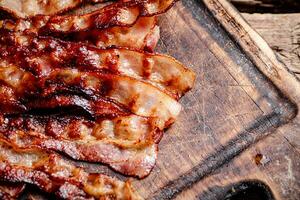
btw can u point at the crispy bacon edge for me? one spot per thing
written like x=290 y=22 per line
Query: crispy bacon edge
x=52 y=174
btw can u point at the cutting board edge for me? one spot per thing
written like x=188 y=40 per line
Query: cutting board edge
x=262 y=56
x=256 y=48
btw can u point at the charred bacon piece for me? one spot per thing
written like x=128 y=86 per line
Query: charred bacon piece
x=127 y=144
x=121 y=13
x=100 y=108
x=52 y=174
x=41 y=55
x=30 y=8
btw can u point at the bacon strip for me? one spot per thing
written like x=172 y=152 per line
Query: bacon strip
x=122 y=13
x=140 y=98
x=52 y=174
x=30 y=8
x=40 y=55
x=127 y=144
x=143 y=35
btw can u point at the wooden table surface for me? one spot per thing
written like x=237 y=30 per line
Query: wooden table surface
x=278 y=22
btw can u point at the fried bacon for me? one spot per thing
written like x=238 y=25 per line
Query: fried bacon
x=30 y=8
x=52 y=174
x=122 y=13
x=82 y=86
x=35 y=72
x=143 y=35
x=41 y=55
x=128 y=144
x=140 y=98
x=11 y=191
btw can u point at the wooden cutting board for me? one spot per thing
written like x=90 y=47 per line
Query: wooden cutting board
x=238 y=135
x=240 y=129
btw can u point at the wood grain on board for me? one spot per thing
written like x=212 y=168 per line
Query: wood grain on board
x=233 y=106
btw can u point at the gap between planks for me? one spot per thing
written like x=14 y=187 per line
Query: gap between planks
x=267 y=6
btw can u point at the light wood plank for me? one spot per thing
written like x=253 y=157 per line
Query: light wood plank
x=282 y=33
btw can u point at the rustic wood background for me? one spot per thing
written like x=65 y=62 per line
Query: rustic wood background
x=278 y=22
